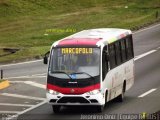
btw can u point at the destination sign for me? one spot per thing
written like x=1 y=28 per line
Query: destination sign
x=77 y=50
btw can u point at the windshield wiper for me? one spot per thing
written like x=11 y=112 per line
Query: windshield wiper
x=61 y=72
x=83 y=73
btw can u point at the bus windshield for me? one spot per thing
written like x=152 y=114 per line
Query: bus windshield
x=74 y=63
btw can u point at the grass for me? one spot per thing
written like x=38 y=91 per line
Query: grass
x=1 y=80
x=2 y=52
x=24 y=23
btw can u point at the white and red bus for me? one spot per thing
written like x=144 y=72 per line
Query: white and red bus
x=90 y=67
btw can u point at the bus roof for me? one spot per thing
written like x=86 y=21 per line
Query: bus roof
x=97 y=37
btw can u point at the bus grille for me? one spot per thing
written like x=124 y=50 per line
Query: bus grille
x=53 y=100
x=72 y=100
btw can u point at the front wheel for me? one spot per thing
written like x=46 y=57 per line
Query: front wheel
x=100 y=108
x=56 y=108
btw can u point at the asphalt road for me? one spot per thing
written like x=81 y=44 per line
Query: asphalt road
x=147 y=78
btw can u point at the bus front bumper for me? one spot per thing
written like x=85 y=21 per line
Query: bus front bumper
x=83 y=99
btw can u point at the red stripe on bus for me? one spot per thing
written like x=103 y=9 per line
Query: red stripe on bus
x=79 y=41
x=73 y=90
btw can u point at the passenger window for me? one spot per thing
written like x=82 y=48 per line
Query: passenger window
x=112 y=57
x=118 y=53
x=123 y=50
x=104 y=63
x=129 y=47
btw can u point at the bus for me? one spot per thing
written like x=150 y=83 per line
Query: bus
x=90 y=68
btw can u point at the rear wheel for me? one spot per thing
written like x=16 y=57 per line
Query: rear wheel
x=120 y=98
x=56 y=108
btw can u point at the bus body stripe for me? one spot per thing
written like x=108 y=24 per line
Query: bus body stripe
x=76 y=90
x=79 y=41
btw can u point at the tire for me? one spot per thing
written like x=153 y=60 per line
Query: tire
x=106 y=95
x=100 y=108
x=56 y=108
x=120 y=98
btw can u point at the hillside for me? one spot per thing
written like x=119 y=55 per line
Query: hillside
x=33 y=25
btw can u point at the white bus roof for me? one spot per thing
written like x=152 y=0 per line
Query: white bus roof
x=99 y=36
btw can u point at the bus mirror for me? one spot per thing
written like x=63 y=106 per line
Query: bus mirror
x=45 y=59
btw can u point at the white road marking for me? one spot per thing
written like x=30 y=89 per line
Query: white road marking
x=146 y=29
x=21 y=96
x=16 y=81
x=19 y=105
x=35 y=84
x=143 y=55
x=29 y=109
x=21 y=63
x=19 y=77
x=5 y=112
x=40 y=74
x=30 y=83
x=146 y=93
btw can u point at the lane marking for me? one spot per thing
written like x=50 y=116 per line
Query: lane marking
x=146 y=93
x=35 y=84
x=16 y=77
x=5 y=112
x=21 y=63
x=16 y=81
x=27 y=110
x=147 y=28
x=144 y=54
x=18 y=105
x=21 y=96
x=40 y=74
x=19 y=77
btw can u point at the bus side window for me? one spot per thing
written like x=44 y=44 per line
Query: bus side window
x=129 y=47
x=123 y=50
x=104 y=63
x=112 y=57
x=118 y=55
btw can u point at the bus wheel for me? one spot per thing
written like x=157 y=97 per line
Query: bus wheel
x=120 y=98
x=56 y=108
x=106 y=95
x=100 y=108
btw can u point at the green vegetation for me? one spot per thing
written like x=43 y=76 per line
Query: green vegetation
x=1 y=80
x=23 y=23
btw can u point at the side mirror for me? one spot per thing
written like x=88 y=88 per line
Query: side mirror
x=45 y=59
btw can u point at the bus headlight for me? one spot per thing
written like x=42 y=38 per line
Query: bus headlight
x=94 y=92
x=53 y=92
